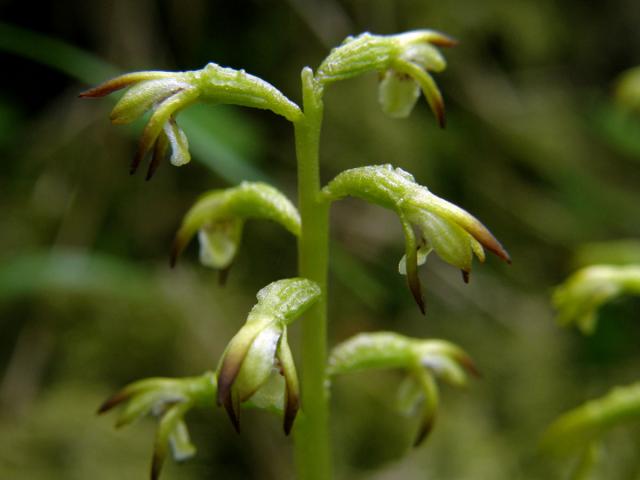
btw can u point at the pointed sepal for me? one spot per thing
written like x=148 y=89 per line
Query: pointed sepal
x=454 y=234
x=260 y=347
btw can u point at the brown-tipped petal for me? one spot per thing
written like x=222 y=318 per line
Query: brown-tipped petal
x=121 y=82
x=292 y=388
x=411 y=252
x=425 y=429
x=427 y=84
x=168 y=421
x=157 y=121
x=135 y=163
x=291 y=410
x=441 y=40
x=157 y=460
x=465 y=275
x=228 y=372
x=113 y=401
x=490 y=243
x=223 y=275
x=159 y=152
x=179 y=243
x=413 y=281
x=232 y=406
x=469 y=365
x=468 y=222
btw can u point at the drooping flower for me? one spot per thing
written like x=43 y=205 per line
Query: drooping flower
x=260 y=347
x=454 y=234
x=423 y=360
x=167 y=93
x=403 y=62
x=169 y=400
x=218 y=217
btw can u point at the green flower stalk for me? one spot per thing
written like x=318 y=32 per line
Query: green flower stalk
x=218 y=217
x=403 y=62
x=169 y=400
x=423 y=360
x=259 y=352
x=583 y=293
x=261 y=346
x=166 y=93
x=454 y=234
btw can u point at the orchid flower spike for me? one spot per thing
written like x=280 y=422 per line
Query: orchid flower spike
x=403 y=62
x=454 y=234
x=167 y=93
x=423 y=360
x=261 y=348
x=218 y=217
x=169 y=400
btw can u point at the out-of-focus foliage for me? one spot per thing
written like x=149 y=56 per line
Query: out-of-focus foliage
x=535 y=146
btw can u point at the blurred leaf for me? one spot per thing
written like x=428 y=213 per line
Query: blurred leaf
x=619 y=127
x=619 y=252
x=72 y=271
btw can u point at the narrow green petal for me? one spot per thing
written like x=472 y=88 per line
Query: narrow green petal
x=429 y=406
x=179 y=144
x=429 y=88
x=450 y=241
x=143 y=96
x=397 y=94
x=292 y=392
x=169 y=421
x=158 y=119
x=258 y=363
x=411 y=263
x=219 y=243
x=124 y=81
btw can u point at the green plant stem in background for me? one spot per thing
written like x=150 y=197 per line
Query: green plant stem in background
x=313 y=458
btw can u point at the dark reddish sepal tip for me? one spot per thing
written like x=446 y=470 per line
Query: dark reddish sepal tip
x=156 y=466
x=223 y=275
x=230 y=407
x=112 y=401
x=423 y=433
x=416 y=290
x=175 y=253
x=441 y=115
x=465 y=275
x=470 y=366
x=290 y=411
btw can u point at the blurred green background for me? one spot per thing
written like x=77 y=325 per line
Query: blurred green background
x=534 y=147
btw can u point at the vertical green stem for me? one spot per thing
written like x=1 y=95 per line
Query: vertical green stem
x=313 y=456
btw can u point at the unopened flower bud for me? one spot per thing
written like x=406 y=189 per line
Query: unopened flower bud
x=261 y=347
